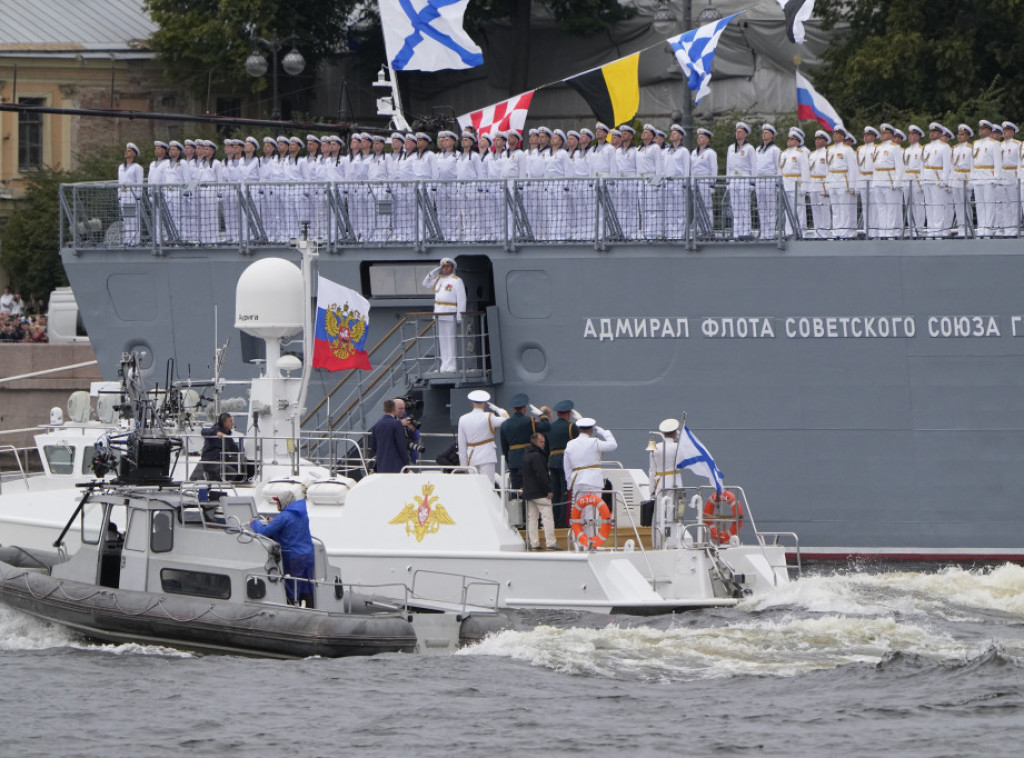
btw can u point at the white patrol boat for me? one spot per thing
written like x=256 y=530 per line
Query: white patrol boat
x=382 y=529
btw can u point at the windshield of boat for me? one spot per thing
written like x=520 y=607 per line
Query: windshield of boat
x=60 y=459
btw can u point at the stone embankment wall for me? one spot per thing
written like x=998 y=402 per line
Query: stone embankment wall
x=26 y=403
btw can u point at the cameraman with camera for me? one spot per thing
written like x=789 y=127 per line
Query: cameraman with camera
x=412 y=429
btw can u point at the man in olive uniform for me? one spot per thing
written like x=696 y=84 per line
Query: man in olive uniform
x=515 y=436
x=562 y=430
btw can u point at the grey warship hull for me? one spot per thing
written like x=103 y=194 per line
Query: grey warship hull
x=867 y=393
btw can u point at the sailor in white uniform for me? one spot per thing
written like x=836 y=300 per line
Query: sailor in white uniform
x=817 y=192
x=1010 y=152
x=704 y=169
x=767 y=168
x=938 y=200
x=666 y=480
x=582 y=459
x=842 y=163
x=449 y=305
x=740 y=167
x=626 y=190
x=676 y=169
x=477 y=430
x=795 y=170
x=986 y=173
x=649 y=166
x=129 y=192
x=913 y=171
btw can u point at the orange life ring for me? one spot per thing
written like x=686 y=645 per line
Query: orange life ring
x=604 y=518
x=728 y=524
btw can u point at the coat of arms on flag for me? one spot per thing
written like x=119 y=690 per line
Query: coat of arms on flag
x=342 y=325
x=500 y=117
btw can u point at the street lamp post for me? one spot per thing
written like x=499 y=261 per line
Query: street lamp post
x=293 y=63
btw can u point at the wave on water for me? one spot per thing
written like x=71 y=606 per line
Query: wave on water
x=21 y=632
x=951 y=594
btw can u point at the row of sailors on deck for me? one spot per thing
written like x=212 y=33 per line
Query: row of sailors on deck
x=931 y=182
x=922 y=187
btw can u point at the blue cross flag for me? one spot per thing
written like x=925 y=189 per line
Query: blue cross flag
x=695 y=52
x=694 y=456
x=427 y=35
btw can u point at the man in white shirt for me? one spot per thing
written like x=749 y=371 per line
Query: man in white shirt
x=477 y=430
x=449 y=305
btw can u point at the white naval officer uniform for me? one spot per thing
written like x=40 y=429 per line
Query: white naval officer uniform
x=938 y=199
x=128 y=200
x=477 y=430
x=449 y=305
x=582 y=460
x=740 y=167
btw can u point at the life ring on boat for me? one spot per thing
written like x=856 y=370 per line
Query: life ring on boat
x=724 y=526
x=603 y=520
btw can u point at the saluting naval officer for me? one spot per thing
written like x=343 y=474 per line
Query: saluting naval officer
x=582 y=459
x=562 y=430
x=476 y=433
x=515 y=436
x=666 y=480
x=449 y=305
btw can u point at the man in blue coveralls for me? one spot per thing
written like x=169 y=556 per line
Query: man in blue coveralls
x=290 y=529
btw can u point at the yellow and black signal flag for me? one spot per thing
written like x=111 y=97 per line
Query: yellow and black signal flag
x=612 y=91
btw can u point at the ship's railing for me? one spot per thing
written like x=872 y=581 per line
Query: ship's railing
x=686 y=211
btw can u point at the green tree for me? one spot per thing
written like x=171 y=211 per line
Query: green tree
x=200 y=39
x=30 y=245
x=896 y=60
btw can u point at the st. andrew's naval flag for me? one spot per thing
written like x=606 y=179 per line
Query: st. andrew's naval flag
x=342 y=324
x=694 y=456
x=427 y=35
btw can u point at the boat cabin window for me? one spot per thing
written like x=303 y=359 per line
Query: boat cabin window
x=199 y=583
x=161 y=533
x=138 y=530
x=90 y=452
x=399 y=279
x=60 y=459
x=92 y=521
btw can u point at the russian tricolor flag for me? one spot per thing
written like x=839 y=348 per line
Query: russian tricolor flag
x=810 y=106
x=342 y=324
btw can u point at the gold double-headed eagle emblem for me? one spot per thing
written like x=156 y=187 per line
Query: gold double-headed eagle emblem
x=345 y=328
x=424 y=515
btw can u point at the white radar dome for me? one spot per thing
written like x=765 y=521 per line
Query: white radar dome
x=268 y=299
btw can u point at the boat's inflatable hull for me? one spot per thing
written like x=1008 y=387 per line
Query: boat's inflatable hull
x=114 y=615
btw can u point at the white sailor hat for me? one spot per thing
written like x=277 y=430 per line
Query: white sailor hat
x=175 y=143
x=424 y=136
x=627 y=128
x=601 y=126
x=851 y=138
x=282 y=138
x=397 y=135
x=839 y=129
x=769 y=128
x=706 y=132
x=485 y=136
x=587 y=132
x=572 y=133
x=378 y=138
x=1010 y=125
x=133 y=146
x=916 y=128
x=255 y=142
x=935 y=126
x=269 y=141
x=514 y=134
x=560 y=134
x=468 y=135
x=871 y=130
x=888 y=128
x=410 y=137
x=325 y=138
x=822 y=134
x=649 y=128
x=677 y=128
x=191 y=142
x=161 y=143
x=335 y=138
x=668 y=426
x=965 y=128
x=659 y=133
x=794 y=133
x=211 y=143
x=614 y=133
x=498 y=134
x=533 y=132
x=743 y=125
x=997 y=128
x=543 y=130
x=446 y=133
x=585 y=423
x=899 y=133
x=984 y=123
x=479 y=396
x=948 y=132
x=365 y=136
x=799 y=131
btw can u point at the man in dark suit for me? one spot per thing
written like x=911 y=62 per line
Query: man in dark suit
x=387 y=437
